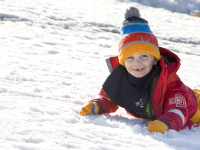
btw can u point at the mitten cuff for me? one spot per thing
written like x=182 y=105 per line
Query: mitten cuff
x=166 y=124
x=100 y=108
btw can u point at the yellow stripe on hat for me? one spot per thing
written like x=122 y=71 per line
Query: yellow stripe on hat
x=138 y=48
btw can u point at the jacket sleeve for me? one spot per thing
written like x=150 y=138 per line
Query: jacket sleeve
x=108 y=106
x=175 y=110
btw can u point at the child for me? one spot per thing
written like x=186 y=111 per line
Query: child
x=143 y=80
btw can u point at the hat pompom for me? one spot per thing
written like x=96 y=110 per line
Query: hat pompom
x=132 y=12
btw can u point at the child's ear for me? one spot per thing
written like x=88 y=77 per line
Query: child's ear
x=155 y=62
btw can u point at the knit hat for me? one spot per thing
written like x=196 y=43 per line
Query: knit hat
x=136 y=37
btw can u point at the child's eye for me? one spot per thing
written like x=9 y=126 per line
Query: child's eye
x=144 y=56
x=130 y=58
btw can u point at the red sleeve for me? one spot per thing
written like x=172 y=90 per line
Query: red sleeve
x=106 y=103
x=175 y=110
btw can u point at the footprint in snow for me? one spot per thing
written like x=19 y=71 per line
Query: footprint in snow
x=53 y=52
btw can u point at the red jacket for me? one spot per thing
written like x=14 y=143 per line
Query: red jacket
x=172 y=101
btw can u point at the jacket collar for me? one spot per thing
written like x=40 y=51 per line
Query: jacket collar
x=170 y=59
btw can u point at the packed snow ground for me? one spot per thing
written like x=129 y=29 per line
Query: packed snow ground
x=53 y=61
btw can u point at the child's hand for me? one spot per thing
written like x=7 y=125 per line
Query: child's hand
x=158 y=126
x=89 y=108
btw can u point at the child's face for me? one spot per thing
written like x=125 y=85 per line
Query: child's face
x=139 y=64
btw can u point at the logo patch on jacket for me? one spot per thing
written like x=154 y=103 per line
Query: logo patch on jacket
x=179 y=100
x=140 y=103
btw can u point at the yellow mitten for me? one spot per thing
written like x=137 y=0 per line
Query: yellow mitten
x=89 y=108
x=158 y=126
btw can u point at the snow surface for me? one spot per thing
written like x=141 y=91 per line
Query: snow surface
x=53 y=61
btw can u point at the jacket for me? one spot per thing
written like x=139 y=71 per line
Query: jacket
x=171 y=100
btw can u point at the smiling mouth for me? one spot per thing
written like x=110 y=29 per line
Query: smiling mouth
x=138 y=69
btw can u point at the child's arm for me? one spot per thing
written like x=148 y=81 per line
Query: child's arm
x=175 y=110
x=100 y=105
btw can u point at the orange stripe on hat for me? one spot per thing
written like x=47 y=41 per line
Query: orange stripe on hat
x=138 y=48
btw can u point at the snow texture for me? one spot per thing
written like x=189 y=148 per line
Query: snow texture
x=53 y=61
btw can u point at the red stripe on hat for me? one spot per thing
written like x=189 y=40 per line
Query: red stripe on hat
x=138 y=37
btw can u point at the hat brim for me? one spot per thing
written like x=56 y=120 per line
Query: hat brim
x=138 y=48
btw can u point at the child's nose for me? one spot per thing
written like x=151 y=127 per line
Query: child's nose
x=138 y=60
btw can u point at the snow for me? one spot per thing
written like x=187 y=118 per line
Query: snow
x=53 y=61
x=181 y=6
